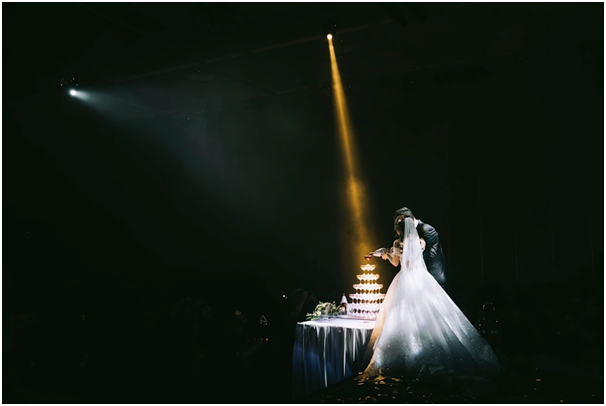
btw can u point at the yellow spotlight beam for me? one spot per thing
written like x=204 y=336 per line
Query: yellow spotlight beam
x=356 y=199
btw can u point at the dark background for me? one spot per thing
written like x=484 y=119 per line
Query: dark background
x=207 y=155
x=501 y=152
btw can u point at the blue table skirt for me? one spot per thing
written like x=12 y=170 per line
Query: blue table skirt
x=327 y=352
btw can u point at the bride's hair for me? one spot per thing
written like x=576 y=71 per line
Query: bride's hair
x=398 y=221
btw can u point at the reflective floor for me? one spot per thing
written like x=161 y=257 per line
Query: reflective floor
x=543 y=379
x=551 y=379
x=548 y=356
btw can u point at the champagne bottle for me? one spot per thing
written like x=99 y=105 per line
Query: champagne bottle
x=379 y=252
x=342 y=309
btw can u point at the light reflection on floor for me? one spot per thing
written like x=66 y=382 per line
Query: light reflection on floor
x=531 y=387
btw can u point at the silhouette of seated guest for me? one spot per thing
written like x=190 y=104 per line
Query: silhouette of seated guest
x=581 y=327
x=592 y=322
x=182 y=359
x=295 y=308
x=206 y=326
x=241 y=353
x=243 y=346
x=186 y=316
x=299 y=304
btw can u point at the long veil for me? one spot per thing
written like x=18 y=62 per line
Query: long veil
x=411 y=250
x=419 y=328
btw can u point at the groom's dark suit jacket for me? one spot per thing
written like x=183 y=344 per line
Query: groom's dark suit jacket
x=433 y=255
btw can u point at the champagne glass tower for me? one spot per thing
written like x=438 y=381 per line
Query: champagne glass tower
x=367 y=300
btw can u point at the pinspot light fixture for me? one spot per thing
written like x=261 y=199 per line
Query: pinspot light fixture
x=69 y=82
x=330 y=30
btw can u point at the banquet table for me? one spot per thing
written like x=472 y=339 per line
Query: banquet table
x=328 y=351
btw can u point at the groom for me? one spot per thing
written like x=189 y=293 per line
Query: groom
x=433 y=254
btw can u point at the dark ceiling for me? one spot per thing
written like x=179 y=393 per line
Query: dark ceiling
x=467 y=90
x=173 y=59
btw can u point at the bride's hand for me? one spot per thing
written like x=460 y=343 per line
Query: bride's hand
x=384 y=253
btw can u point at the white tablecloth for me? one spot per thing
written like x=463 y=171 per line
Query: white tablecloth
x=327 y=352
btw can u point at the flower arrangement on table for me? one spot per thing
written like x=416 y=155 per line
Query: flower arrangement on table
x=324 y=310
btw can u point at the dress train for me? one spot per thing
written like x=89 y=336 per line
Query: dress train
x=420 y=331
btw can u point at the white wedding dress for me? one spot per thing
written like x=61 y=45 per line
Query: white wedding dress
x=420 y=332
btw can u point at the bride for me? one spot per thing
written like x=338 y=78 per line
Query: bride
x=420 y=332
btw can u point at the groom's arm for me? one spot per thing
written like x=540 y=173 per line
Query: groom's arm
x=432 y=241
